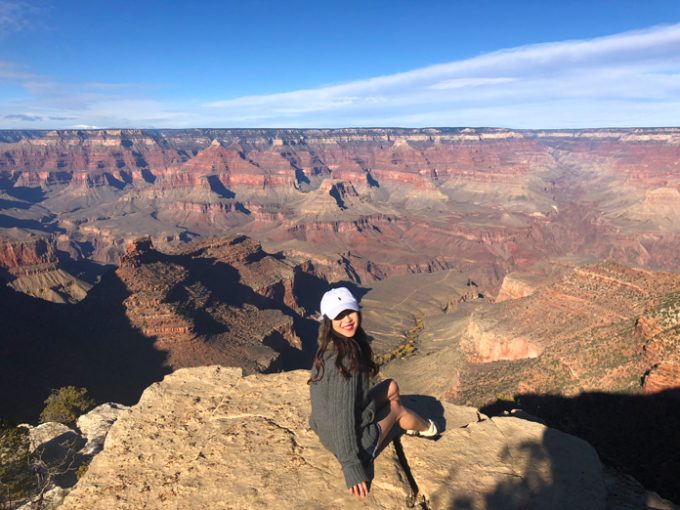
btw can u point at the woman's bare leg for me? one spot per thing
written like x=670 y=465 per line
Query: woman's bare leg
x=391 y=412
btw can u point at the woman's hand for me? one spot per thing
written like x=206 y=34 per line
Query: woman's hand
x=360 y=490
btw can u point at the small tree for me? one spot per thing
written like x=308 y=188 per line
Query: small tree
x=65 y=405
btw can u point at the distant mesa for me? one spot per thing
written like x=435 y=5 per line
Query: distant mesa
x=497 y=199
x=494 y=265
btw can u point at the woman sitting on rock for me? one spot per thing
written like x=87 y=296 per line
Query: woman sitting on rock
x=351 y=420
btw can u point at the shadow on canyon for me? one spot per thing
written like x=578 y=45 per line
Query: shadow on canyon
x=216 y=186
x=13 y=204
x=32 y=194
x=84 y=268
x=223 y=282
x=10 y=222
x=636 y=434
x=45 y=346
x=92 y=344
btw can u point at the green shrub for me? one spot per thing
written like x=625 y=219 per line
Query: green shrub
x=65 y=405
x=82 y=469
x=16 y=479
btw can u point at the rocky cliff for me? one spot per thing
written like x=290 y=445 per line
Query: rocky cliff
x=602 y=327
x=383 y=201
x=210 y=438
x=597 y=340
x=31 y=265
x=217 y=301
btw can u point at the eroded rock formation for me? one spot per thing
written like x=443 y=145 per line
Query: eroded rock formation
x=217 y=301
x=600 y=340
x=603 y=327
x=209 y=438
x=382 y=201
x=31 y=266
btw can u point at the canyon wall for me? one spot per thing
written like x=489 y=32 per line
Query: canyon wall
x=364 y=203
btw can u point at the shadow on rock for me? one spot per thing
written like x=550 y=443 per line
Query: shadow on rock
x=504 y=464
x=427 y=407
x=637 y=434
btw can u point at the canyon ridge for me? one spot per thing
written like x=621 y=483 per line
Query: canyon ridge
x=497 y=268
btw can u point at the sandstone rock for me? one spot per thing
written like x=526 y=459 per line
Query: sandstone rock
x=210 y=438
x=16 y=254
x=506 y=463
x=514 y=287
x=600 y=327
x=46 y=433
x=626 y=493
x=32 y=267
x=95 y=425
x=51 y=284
x=50 y=499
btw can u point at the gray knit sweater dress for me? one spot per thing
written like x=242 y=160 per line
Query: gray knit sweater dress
x=342 y=416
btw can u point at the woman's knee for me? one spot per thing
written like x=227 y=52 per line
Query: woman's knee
x=396 y=408
x=393 y=390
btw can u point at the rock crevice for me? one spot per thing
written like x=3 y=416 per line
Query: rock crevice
x=209 y=437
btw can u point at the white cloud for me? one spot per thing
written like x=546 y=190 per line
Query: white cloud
x=627 y=79
x=631 y=67
x=460 y=83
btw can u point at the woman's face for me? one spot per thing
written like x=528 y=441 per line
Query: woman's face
x=347 y=323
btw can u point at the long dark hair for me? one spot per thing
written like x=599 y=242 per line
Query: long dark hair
x=356 y=350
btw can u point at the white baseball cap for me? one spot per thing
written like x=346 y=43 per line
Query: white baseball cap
x=336 y=301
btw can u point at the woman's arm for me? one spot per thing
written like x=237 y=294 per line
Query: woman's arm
x=342 y=396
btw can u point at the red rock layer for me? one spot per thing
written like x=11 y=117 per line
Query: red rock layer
x=598 y=328
x=659 y=330
x=414 y=157
x=22 y=255
x=486 y=201
x=219 y=301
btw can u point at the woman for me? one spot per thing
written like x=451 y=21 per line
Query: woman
x=351 y=419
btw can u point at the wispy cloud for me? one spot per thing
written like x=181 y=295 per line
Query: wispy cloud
x=10 y=71
x=627 y=79
x=17 y=16
x=23 y=116
x=628 y=68
x=461 y=83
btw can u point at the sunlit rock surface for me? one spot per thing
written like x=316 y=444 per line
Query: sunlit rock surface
x=210 y=438
x=382 y=201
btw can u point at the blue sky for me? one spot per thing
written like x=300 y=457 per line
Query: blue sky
x=293 y=63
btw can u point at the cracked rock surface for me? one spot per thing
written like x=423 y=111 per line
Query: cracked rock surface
x=506 y=463
x=207 y=437
x=95 y=425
